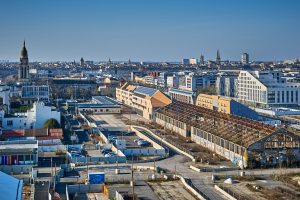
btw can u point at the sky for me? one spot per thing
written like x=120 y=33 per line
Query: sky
x=149 y=30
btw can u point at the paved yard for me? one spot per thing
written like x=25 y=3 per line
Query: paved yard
x=171 y=190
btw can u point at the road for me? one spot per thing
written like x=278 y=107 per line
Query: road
x=179 y=164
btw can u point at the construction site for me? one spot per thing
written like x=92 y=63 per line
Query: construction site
x=245 y=142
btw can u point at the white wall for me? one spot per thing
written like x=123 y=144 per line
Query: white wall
x=34 y=118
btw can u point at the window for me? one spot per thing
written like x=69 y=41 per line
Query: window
x=287 y=96
x=9 y=122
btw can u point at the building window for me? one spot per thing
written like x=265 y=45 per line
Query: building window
x=287 y=96
x=9 y=122
x=282 y=96
x=292 y=96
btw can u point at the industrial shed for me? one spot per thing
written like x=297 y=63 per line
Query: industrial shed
x=243 y=141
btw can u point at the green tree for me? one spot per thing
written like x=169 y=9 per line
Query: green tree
x=51 y=123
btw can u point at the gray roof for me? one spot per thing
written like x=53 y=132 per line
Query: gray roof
x=184 y=92
x=10 y=187
x=95 y=105
x=104 y=100
x=145 y=90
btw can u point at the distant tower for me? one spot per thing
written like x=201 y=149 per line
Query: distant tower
x=201 y=59
x=245 y=58
x=109 y=61
x=81 y=62
x=218 y=58
x=129 y=61
x=23 y=71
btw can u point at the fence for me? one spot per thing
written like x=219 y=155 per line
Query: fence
x=190 y=183
x=233 y=194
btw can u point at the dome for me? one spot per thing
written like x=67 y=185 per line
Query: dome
x=24 y=52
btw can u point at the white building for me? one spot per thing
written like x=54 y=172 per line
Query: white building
x=267 y=88
x=4 y=97
x=193 y=81
x=172 y=81
x=32 y=119
x=190 y=61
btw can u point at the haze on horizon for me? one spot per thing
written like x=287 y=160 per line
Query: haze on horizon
x=149 y=30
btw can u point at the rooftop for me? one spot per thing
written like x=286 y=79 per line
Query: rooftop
x=239 y=130
x=10 y=187
x=104 y=100
x=145 y=90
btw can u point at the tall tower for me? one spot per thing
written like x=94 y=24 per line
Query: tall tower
x=23 y=71
x=218 y=58
x=81 y=62
x=201 y=59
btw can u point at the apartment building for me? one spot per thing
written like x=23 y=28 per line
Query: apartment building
x=267 y=89
x=143 y=100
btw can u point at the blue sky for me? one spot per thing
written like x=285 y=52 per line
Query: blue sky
x=157 y=30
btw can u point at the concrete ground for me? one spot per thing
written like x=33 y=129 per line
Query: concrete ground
x=171 y=190
x=110 y=122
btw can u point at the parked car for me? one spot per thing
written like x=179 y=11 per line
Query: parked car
x=111 y=154
x=129 y=133
x=144 y=143
x=137 y=139
x=105 y=151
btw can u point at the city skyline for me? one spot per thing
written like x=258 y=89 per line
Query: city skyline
x=150 y=31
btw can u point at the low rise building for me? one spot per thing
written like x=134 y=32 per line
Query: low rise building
x=33 y=118
x=243 y=141
x=183 y=95
x=143 y=100
x=225 y=105
x=22 y=153
x=100 y=105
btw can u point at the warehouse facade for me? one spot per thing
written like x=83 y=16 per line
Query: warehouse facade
x=243 y=141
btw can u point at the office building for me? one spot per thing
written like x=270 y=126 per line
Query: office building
x=201 y=59
x=245 y=58
x=267 y=89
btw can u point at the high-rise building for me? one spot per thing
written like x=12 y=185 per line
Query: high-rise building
x=245 y=58
x=23 y=71
x=201 y=59
x=218 y=58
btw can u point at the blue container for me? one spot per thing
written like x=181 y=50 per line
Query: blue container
x=96 y=177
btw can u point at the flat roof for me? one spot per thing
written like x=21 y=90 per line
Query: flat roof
x=96 y=105
x=185 y=92
x=104 y=100
x=19 y=144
